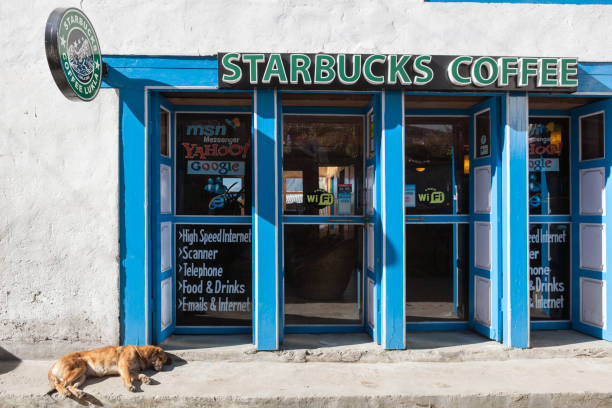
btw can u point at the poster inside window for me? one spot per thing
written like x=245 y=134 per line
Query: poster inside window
x=549 y=186
x=213 y=164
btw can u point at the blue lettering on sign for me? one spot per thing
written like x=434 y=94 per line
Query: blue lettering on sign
x=206 y=130
x=213 y=167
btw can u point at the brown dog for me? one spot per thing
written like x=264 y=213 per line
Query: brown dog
x=70 y=372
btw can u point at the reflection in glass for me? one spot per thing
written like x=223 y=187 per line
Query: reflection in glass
x=436 y=151
x=323 y=274
x=435 y=289
x=164 y=127
x=322 y=165
x=483 y=134
x=548 y=166
x=549 y=271
x=592 y=137
x=213 y=164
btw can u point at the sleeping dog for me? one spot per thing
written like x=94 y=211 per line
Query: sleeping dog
x=70 y=372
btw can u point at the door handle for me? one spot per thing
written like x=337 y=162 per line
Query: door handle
x=416 y=219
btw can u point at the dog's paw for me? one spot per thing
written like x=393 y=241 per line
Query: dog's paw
x=144 y=379
x=78 y=393
x=62 y=396
x=131 y=388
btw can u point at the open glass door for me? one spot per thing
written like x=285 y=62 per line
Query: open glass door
x=591 y=197
x=485 y=285
x=323 y=231
x=201 y=166
x=436 y=208
x=162 y=220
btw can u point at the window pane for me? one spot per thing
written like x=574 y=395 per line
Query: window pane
x=323 y=155
x=323 y=274
x=436 y=149
x=592 y=137
x=434 y=289
x=213 y=164
x=213 y=275
x=164 y=126
x=482 y=134
x=549 y=271
x=549 y=186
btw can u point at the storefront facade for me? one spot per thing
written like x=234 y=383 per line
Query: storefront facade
x=439 y=197
x=279 y=209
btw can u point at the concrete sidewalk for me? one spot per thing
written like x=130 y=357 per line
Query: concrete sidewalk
x=555 y=373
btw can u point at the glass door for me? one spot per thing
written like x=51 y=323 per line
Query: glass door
x=161 y=127
x=201 y=238
x=436 y=206
x=323 y=234
x=590 y=209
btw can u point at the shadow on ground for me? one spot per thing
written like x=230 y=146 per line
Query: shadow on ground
x=187 y=342
x=8 y=361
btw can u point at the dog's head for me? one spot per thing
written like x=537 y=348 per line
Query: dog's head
x=156 y=357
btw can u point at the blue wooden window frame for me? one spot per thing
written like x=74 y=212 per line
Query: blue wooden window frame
x=136 y=76
x=357 y=220
x=556 y=218
x=453 y=219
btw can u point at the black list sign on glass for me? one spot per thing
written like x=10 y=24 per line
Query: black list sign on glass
x=213 y=275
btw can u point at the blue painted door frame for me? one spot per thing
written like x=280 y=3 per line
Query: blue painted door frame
x=135 y=76
x=393 y=287
x=584 y=218
x=513 y=211
x=485 y=287
x=267 y=226
x=162 y=221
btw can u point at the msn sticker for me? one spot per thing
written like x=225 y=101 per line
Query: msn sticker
x=73 y=54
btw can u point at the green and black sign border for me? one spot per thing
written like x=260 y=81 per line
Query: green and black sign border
x=61 y=22
x=323 y=71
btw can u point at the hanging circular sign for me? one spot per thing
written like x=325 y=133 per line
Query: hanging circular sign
x=73 y=54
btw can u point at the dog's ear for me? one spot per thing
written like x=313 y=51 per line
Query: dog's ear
x=147 y=352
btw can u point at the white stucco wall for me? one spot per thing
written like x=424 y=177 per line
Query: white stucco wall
x=59 y=273
x=391 y=26
x=59 y=268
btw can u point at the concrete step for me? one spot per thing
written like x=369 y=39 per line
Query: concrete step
x=358 y=347
x=516 y=383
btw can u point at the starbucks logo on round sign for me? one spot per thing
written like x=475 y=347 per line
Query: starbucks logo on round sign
x=73 y=53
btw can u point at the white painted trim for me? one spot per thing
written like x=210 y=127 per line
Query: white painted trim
x=603 y=302
x=603 y=267
x=490 y=249
x=488 y=282
x=602 y=170
x=489 y=197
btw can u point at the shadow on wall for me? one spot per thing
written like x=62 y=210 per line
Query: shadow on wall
x=131 y=99
x=8 y=361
